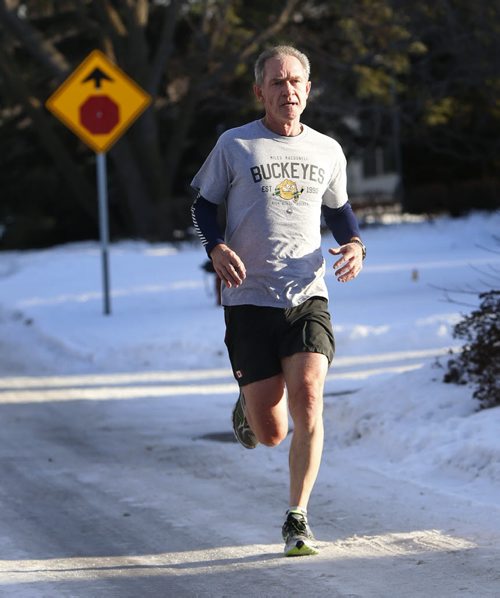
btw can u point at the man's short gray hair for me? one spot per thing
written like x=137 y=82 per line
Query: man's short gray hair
x=279 y=51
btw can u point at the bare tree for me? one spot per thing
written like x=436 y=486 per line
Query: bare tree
x=178 y=51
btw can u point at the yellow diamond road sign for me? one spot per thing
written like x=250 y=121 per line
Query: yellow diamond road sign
x=98 y=102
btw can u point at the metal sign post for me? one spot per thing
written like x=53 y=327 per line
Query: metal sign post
x=102 y=193
x=98 y=102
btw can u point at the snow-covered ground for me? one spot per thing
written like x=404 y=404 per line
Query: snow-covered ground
x=390 y=420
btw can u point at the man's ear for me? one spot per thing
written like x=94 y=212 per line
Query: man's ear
x=308 y=88
x=257 y=90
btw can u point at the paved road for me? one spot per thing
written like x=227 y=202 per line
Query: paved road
x=128 y=497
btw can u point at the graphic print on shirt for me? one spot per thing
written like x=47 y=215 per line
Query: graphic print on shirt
x=287 y=169
x=287 y=189
x=295 y=175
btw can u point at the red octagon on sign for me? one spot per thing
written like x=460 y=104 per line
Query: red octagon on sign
x=99 y=114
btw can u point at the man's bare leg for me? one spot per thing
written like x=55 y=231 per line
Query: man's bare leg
x=266 y=409
x=267 y=415
x=304 y=374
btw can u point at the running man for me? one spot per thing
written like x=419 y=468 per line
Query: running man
x=276 y=177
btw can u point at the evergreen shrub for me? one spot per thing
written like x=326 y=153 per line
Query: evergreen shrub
x=479 y=360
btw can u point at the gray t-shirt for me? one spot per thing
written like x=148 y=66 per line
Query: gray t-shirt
x=273 y=187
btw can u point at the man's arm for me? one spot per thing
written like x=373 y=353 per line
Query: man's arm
x=204 y=215
x=226 y=263
x=345 y=228
x=342 y=222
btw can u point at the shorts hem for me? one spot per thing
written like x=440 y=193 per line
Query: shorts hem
x=244 y=381
x=310 y=350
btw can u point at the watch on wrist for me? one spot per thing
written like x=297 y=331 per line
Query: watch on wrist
x=361 y=244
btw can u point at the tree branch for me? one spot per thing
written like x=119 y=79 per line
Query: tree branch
x=142 y=12
x=111 y=19
x=280 y=22
x=252 y=46
x=165 y=45
x=49 y=140
x=41 y=49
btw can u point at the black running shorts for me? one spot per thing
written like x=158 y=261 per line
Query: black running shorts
x=257 y=338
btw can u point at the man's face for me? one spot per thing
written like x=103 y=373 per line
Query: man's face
x=285 y=89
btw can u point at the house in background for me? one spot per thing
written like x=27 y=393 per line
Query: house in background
x=372 y=178
x=373 y=171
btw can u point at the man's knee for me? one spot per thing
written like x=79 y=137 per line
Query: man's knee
x=306 y=407
x=272 y=436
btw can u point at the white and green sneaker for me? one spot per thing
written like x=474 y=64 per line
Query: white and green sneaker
x=298 y=537
x=242 y=430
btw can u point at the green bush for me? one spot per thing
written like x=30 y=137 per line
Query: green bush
x=479 y=360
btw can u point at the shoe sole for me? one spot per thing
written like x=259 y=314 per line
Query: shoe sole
x=300 y=548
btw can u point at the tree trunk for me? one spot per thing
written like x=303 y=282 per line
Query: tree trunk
x=78 y=185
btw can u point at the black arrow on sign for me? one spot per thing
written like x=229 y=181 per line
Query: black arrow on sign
x=97 y=76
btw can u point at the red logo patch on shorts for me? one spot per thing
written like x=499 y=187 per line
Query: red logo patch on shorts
x=239 y=374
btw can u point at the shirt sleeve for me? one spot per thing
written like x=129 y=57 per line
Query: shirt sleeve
x=335 y=195
x=213 y=180
x=204 y=215
x=342 y=222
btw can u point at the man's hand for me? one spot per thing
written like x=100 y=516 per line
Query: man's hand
x=228 y=265
x=351 y=262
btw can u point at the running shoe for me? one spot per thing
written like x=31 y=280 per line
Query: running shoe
x=299 y=540
x=242 y=430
